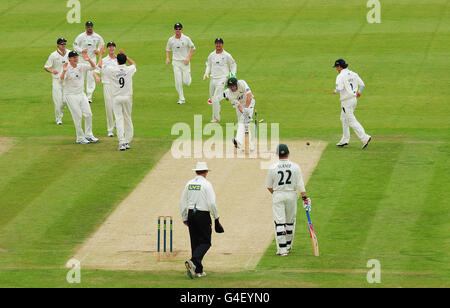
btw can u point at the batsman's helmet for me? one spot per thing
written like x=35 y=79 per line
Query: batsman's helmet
x=232 y=82
x=282 y=150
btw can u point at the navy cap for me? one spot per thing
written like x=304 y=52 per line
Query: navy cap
x=340 y=62
x=73 y=54
x=282 y=150
x=110 y=44
x=89 y=24
x=218 y=40
x=61 y=40
x=178 y=26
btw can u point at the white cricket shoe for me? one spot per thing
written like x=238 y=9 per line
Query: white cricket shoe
x=122 y=147
x=92 y=139
x=190 y=269
x=110 y=135
x=200 y=275
x=59 y=122
x=181 y=101
x=84 y=141
x=127 y=146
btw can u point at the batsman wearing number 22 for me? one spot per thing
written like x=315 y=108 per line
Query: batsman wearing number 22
x=285 y=183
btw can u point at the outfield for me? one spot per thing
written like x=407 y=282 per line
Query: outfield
x=389 y=202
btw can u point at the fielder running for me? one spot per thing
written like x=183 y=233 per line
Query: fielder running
x=110 y=59
x=54 y=66
x=182 y=50
x=73 y=75
x=285 y=183
x=219 y=65
x=347 y=85
x=197 y=204
x=91 y=42
x=121 y=77
x=241 y=97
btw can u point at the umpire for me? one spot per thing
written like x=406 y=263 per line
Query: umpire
x=197 y=204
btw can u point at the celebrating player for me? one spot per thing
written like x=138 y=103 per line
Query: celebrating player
x=73 y=75
x=219 y=65
x=91 y=42
x=54 y=66
x=284 y=181
x=347 y=85
x=182 y=50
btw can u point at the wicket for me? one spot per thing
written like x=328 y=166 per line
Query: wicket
x=165 y=236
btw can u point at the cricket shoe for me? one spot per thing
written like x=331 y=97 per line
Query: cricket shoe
x=110 y=135
x=341 y=144
x=190 y=269
x=127 y=146
x=84 y=141
x=367 y=143
x=209 y=101
x=122 y=147
x=90 y=101
x=181 y=101
x=59 y=122
x=92 y=139
x=200 y=275
x=214 y=120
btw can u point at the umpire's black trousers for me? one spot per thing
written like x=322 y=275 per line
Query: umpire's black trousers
x=199 y=223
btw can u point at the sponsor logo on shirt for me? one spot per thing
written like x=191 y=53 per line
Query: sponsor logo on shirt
x=194 y=187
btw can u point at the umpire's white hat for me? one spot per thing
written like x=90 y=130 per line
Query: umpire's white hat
x=201 y=166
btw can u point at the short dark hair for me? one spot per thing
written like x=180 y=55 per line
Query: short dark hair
x=200 y=172
x=121 y=58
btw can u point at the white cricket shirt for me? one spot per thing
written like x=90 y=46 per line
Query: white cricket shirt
x=198 y=193
x=56 y=61
x=219 y=65
x=240 y=96
x=121 y=78
x=347 y=84
x=107 y=61
x=180 y=48
x=285 y=176
x=74 y=78
x=90 y=42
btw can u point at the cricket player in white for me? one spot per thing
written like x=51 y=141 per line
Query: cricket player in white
x=182 y=49
x=219 y=65
x=350 y=86
x=54 y=66
x=90 y=41
x=241 y=97
x=73 y=75
x=285 y=183
x=110 y=59
x=121 y=77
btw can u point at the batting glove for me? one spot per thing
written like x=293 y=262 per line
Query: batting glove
x=307 y=204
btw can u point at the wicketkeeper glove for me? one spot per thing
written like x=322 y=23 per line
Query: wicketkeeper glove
x=217 y=226
x=306 y=203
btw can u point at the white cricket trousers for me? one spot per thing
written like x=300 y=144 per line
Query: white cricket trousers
x=79 y=108
x=284 y=205
x=58 y=99
x=182 y=74
x=216 y=87
x=242 y=123
x=107 y=94
x=348 y=120
x=122 y=111
x=90 y=80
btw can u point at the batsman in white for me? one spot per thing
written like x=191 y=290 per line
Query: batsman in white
x=121 y=77
x=285 y=183
x=110 y=59
x=350 y=86
x=91 y=42
x=218 y=65
x=182 y=50
x=54 y=66
x=241 y=97
x=73 y=75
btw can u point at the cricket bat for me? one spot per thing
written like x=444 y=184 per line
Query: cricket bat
x=315 y=244
x=247 y=140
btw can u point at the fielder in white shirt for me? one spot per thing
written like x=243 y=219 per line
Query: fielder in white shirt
x=110 y=59
x=350 y=86
x=219 y=65
x=73 y=76
x=182 y=49
x=241 y=97
x=54 y=66
x=121 y=77
x=92 y=42
x=197 y=204
x=285 y=183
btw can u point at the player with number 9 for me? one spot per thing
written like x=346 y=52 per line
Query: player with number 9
x=285 y=183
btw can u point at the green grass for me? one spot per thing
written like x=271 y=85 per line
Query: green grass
x=387 y=203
